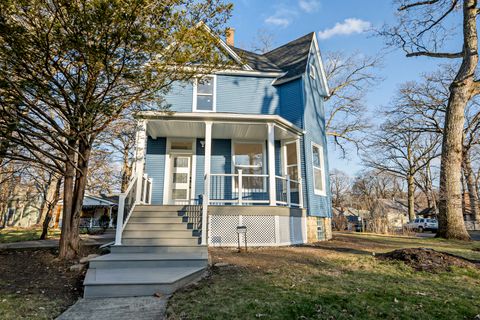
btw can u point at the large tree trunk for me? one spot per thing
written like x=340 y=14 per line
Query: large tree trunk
x=52 y=200
x=450 y=219
x=67 y=249
x=470 y=182
x=411 y=197
x=75 y=181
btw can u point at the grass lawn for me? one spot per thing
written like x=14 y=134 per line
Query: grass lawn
x=34 y=284
x=25 y=234
x=338 y=279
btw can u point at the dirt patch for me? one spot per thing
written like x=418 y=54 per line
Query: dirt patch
x=425 y=259
x=37 y=274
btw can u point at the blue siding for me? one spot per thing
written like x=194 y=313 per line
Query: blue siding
x=291 y=102
x=180 y=97
x=314 y=120
x=155 y=166
x=235 y=94
x=240 y=94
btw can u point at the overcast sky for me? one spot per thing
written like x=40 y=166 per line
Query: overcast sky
x=341 y=25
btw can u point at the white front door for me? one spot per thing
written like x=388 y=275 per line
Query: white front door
x=180 y=178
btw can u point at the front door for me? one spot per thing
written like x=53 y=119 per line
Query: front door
x=180 y=178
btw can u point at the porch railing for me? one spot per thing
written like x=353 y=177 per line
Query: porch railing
x=139 y=191
x=238 y=188
x=289 y=191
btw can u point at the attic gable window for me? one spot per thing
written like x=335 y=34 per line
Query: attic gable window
x=204 y=94
x=311 y=68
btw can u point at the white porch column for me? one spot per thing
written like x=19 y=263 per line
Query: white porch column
x=206 y=191
x=208 y=156
x=271 y=164
x=140 y=146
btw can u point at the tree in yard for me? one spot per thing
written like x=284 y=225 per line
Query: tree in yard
x=399 y=150
x=350 y=78
x=426 y=28
x=119 y=138
x=424 y=105
x=48 y=184
x=74 y=66
x=340 y=187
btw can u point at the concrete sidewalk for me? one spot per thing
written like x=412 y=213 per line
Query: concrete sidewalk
x=138 y=308
x=87 y=240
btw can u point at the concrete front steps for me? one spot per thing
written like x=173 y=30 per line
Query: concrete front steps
x=160 y=253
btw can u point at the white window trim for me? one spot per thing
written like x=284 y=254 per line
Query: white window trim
x=193 y=167
x=264 y=164
x=322 y=168
x=284 y=159
x=312 y=71
x=214 y=94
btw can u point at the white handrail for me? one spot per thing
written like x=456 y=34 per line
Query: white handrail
x=138 y=199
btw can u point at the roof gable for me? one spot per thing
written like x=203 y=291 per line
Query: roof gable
x=291 y=59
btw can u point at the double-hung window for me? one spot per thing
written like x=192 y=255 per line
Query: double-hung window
x=204 y=94
x=318 y=169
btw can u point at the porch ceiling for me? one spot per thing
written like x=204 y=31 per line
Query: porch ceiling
x=254 y=128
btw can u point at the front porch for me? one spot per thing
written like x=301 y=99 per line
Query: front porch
x=223 y=159
x=209 y=161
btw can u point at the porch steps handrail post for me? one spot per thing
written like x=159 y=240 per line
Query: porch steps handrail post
x=240 y=187
x=119 y=228
x=289 y=196
x=144 y=186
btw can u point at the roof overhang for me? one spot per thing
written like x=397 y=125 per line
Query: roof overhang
x=226 y=125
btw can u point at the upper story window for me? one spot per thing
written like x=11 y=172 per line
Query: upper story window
x=204 y=94
x=318 y=169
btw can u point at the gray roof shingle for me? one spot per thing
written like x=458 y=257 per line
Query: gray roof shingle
x=290 y=58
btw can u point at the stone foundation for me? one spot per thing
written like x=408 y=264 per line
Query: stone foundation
x=319 y=227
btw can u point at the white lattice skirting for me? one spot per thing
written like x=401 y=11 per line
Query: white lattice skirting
x=261 y=230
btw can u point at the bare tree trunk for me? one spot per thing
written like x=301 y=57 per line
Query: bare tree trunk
x=51 y=203
x=451 y=224
x=411 y=197
x=450 y=219
x=67 y=249
x=470 y=182
x=75 y=181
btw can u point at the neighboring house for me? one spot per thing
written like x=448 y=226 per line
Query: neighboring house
x=93 y=208
x=242 y=147
x=353 y=219
x=22 y=210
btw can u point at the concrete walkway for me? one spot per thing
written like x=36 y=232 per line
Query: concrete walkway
x=138 y=308
x=87 y=240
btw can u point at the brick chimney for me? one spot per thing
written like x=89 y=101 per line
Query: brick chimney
x=231 y=36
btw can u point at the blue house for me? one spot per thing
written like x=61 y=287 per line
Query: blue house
x=244 y=147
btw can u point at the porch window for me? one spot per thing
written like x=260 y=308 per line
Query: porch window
x=204 y=91
x=318 y=169
x=291 y=160
x=249 y=157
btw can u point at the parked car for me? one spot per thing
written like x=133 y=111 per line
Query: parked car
x=423 y=224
